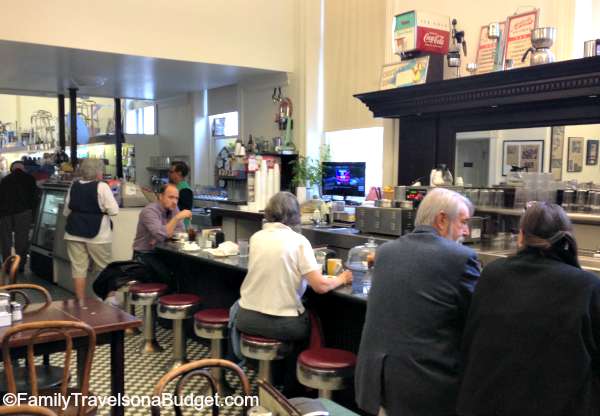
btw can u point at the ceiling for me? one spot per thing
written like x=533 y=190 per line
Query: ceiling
x=31 y=69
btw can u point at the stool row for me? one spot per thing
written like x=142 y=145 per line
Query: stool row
x=324 y=369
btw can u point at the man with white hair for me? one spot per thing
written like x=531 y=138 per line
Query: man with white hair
x=409 y=361
x=18 y=200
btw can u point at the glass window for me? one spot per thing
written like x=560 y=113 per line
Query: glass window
x=224 y=125
x=140 y=117
x=359 y=145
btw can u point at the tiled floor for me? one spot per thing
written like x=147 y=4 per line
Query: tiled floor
x=142 y=372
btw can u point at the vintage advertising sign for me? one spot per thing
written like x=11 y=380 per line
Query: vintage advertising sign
x=518 y=38
x=488 y=49
x=421 y=31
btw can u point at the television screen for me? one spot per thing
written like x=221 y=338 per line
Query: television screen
x=344 y=178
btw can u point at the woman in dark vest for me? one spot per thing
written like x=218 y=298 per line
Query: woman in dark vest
x=532 y=338
x=88 y=206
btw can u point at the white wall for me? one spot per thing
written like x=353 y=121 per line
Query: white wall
x=589 y=173
x=257 y=33
x=176 y=127
x=145 y=147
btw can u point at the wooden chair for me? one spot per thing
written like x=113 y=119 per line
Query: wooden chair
x=272 y=399
x=9 y=270
x=26 y=410
x=48 y=376
x=18 y=292
x=56 y=330
x=198 y=368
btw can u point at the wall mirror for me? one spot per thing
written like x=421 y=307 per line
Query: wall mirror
x=570 y=153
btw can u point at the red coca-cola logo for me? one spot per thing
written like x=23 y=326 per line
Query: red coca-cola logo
x=433 y=39
x=523 y=23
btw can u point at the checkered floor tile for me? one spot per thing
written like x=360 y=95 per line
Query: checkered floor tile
x=142 y=372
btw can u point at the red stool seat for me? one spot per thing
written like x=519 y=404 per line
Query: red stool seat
x=148 y=288
x=327 y=358
x=179 y=299
x=255 y=338
x=212 y=316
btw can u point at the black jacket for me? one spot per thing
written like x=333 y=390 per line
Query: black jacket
x=532 y=340
x=18 y=193
x=409 y=356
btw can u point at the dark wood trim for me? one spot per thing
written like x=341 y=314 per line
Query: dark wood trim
x=562 y=93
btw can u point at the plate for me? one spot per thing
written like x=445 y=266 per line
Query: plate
x=191 y=248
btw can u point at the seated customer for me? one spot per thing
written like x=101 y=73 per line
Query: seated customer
x=532 y=338
x=281 y=263
x=158 y=222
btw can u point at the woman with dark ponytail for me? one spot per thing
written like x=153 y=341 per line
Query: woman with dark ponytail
x=532 y=340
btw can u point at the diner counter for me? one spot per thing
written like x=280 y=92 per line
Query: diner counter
x=239 y=264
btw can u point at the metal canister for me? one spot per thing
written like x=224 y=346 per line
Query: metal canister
x=499 y=198
x=17 y=311
x=591 y=48
x=568 y=199
x=581 y=199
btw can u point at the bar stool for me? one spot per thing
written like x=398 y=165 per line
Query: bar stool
x=264 y=350
x=212 y=324
x=127 y=306
x=326 y=369
x=146 y=294
x=177 y=307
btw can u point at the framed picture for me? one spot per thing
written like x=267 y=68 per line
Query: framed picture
x=557 y=151
x=575 y=154
x=218 y=127
x=524 y=154
x=591 y=156
x=405 y=73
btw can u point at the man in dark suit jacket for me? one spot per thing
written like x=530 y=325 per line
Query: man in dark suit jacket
x=409 y=357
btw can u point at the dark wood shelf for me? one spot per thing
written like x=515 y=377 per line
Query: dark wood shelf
x=556 y=94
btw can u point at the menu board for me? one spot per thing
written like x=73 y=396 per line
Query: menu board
x=488 y=49
x=518 y=38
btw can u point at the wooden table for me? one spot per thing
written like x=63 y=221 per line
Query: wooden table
x=108 y=322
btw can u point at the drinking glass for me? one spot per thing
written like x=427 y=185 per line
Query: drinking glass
x=243 y=247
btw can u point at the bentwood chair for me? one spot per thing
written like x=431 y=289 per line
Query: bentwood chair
x=26 y=410
x=200 y=368
x=9 y=270
x=53 y=331
x=48 y=376
x=274 y=401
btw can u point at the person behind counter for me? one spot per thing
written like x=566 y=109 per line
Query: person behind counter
x=18 y=199
x=177 y=174
x=409 y=355
x=158 y=221
x=280 y=265
x=88 y=231
x=532 y=339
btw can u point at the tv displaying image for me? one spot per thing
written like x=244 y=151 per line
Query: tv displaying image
x=344 y=178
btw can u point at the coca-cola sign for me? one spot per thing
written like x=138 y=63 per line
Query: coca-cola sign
x=433 y=39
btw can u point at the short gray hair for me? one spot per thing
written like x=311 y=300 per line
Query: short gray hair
x=438 y=200
x=283 y=207
x=89 y=169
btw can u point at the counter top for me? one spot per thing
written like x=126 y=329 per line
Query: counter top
x=576 y=217
x=237 y=213
x=241 y=264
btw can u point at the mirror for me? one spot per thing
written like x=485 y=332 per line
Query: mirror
x=570 y=153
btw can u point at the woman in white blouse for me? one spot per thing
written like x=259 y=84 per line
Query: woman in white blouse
x=281 y=264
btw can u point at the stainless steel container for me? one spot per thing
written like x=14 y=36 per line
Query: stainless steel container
x=543 y=37
x=475 y=230
x=591 y=48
